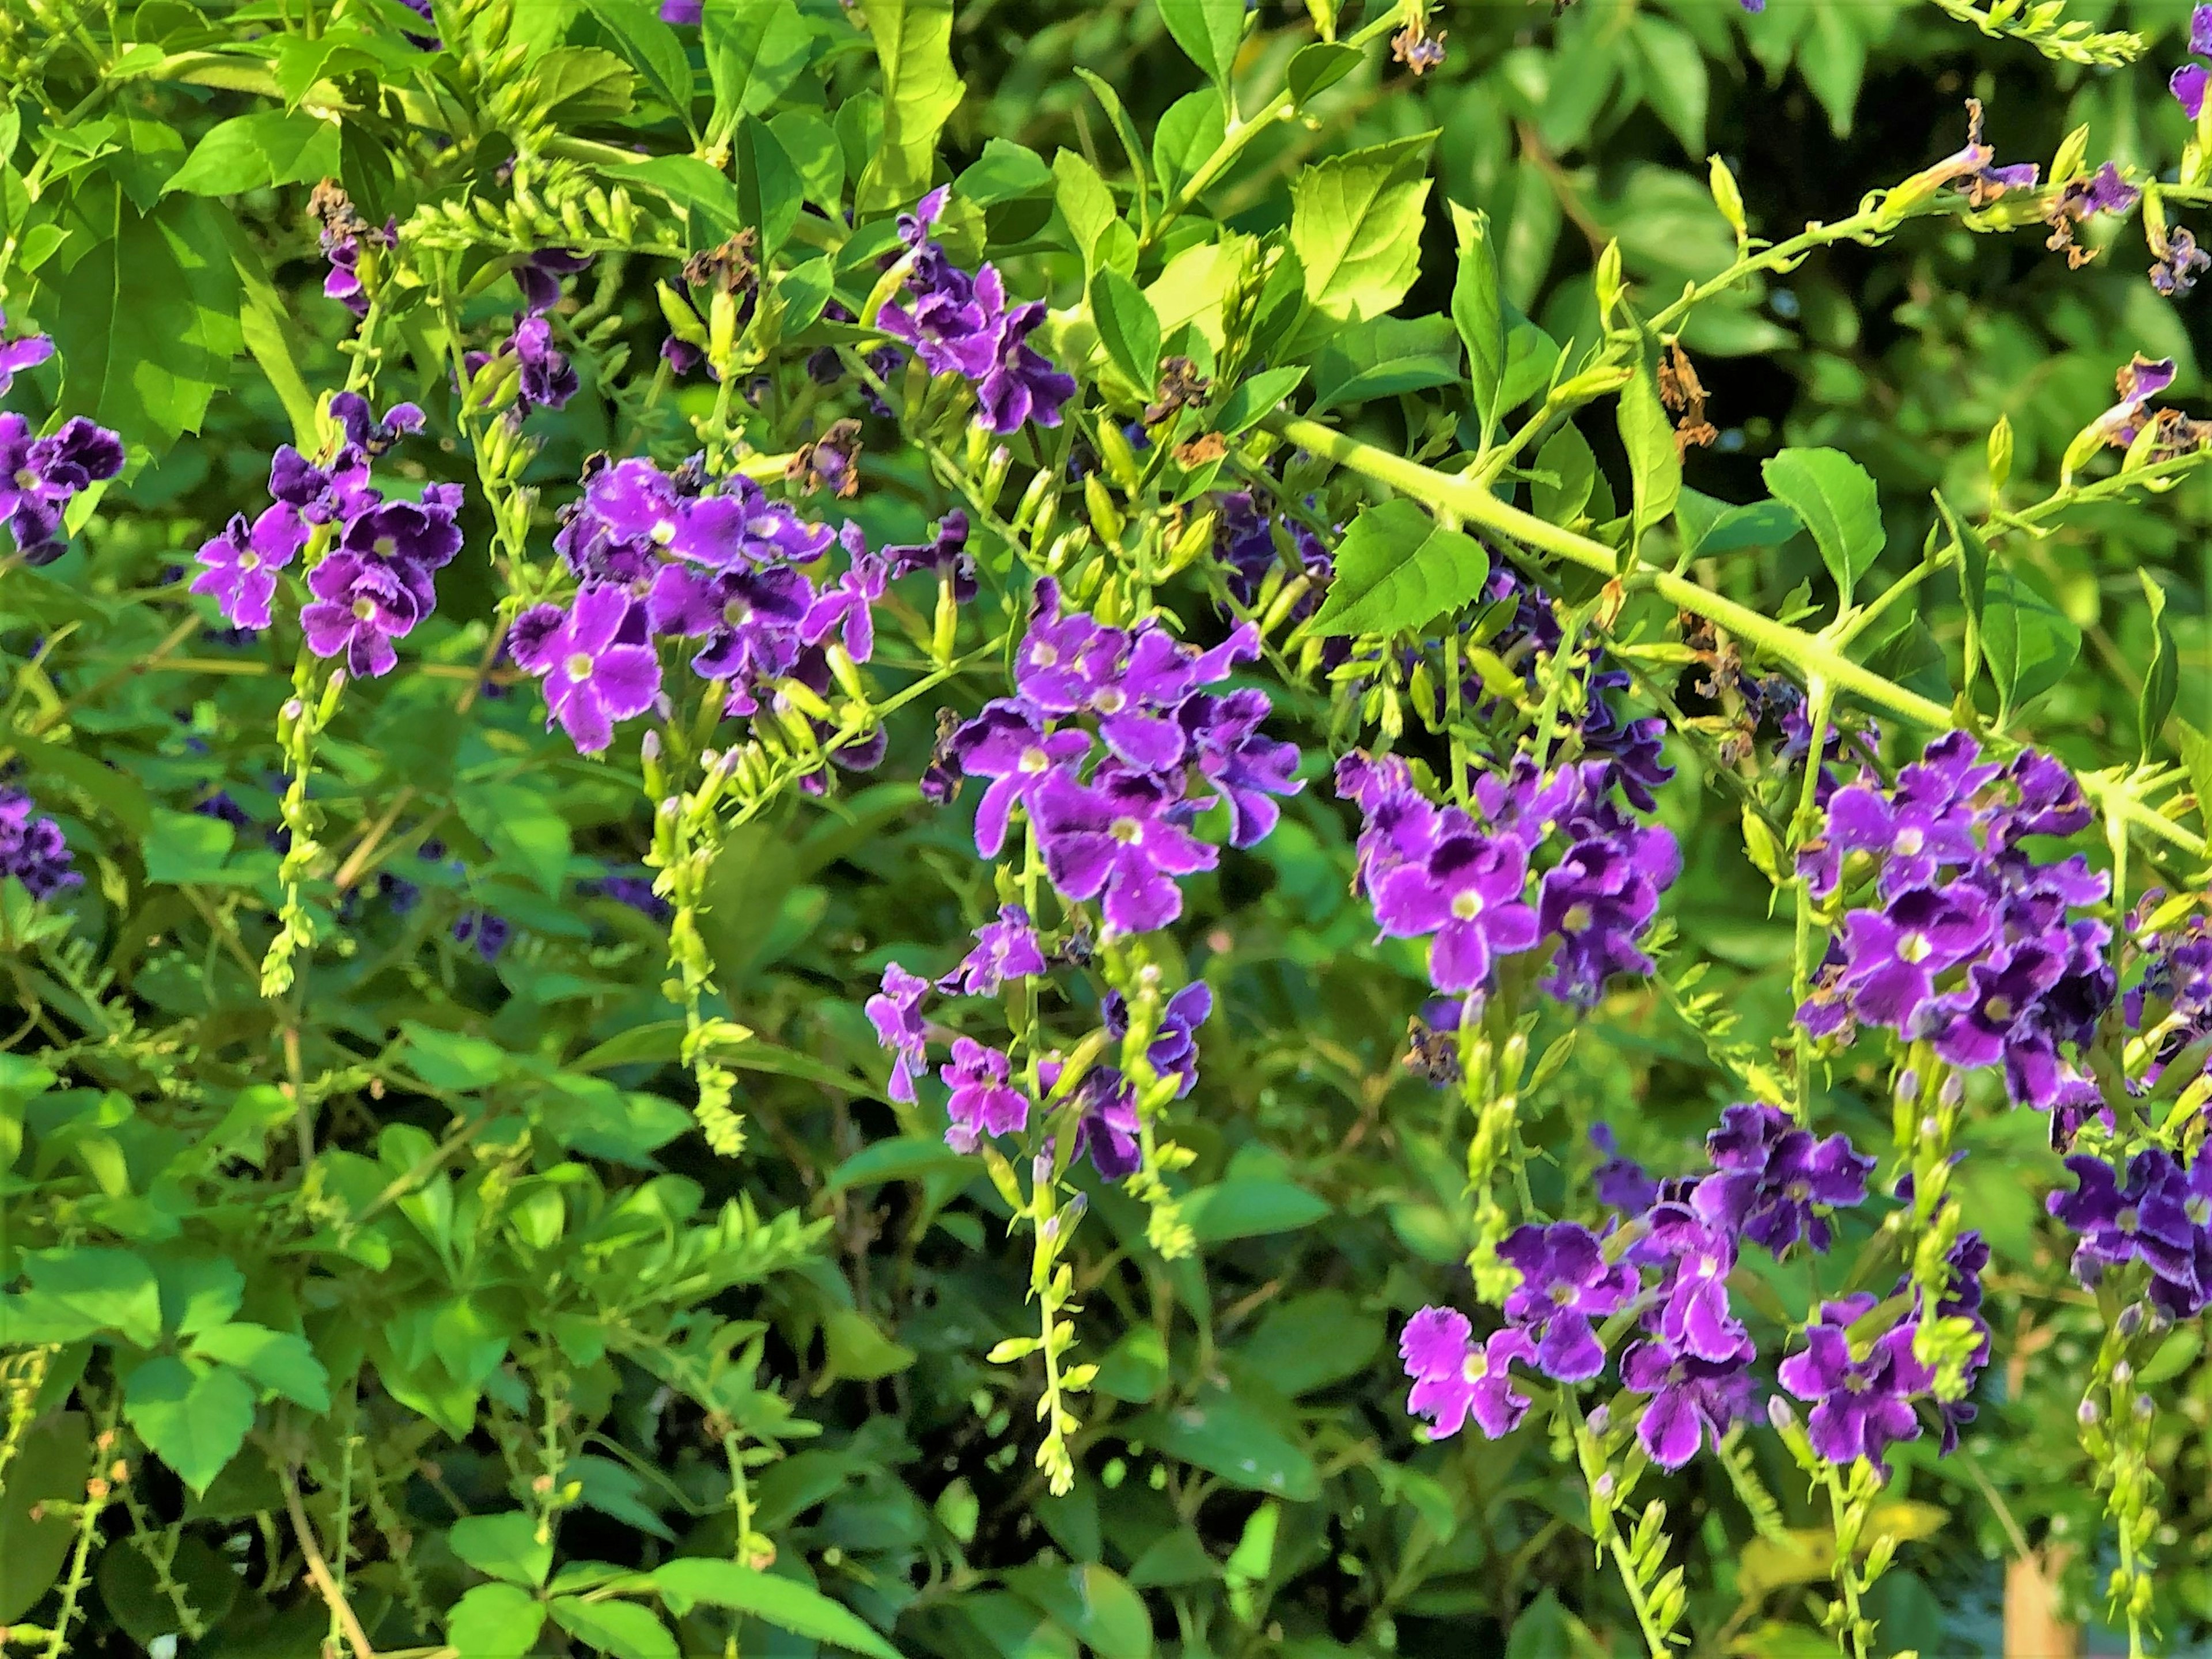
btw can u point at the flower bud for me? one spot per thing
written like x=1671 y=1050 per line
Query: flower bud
x=1953 y=1089
x=1603 y=1487
x=1780 y=1413
x=2127 y=1325
x=1600 y=1419
x=2123 y=1374
x=1908 y=1085
x=2145 y=1408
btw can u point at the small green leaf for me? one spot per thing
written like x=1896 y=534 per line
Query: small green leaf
x=2162 y=679
x=1655 y=465
x=2196 y=755
x=1253 y=398
x=1224 y=1436
x=652 y=47
x=920 y=89
x=495 y=1621
x=1355 y=226
x=1835 y=496
x=706 y=198
x=2027 y=642
x=786 y=1603
x=1397 y=568
x=1250 y=1209
x=904 y=1157
x=1566 y=457
x=193 y=1418
x=768 y=185
x=278 y=1360
x=858 y=1351
x=1316 y=67
x=1477 y=311
x=522 y=826
x=1973 y=556
x=505 y=1546
x=1128 y=328
x=249 y=152
x=1004 y=172
x=1756 y=523
x=1085 y=203
x=79 y=1288
x=622 y=1628
x=755 y=50
x=1208 y=31
x=1382 y=356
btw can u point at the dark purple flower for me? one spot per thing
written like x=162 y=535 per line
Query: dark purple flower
x=1696 y=1258
x=1123 y=836
x=953 y=320
x=361 y=603
x=1911 y=839
x=1892 y=961
x=1597 y=902
x=1863 y=1396
x=419 y=538
x=490 y=932
x=636 y=892
x=1999 y=991
x=27 y=351
x=1468 y=893
x=1566 y=1284
x=1021 y=385
x=895 y=1013
x=364 y=431
x=682 y=13
x=1772 y=1180
x=2157 y=1218
x=945 y=554
x=983 y=1102
x=1621 y=1184
x=2187 y=85
x=2179 y=261
x=548 y=378
x=1010 y=745
x=539 y=276
x=1454 y=1380
x=2138 y=382
x=242 y=564
x=1692 y=1399
x=1004 y=949
x=599 y=667
x=1108 y=1128
x=1173 y=1051
x=1222 y=734
x=39 y=477
x=749 y=619
x=33 y=849
x=845 y=607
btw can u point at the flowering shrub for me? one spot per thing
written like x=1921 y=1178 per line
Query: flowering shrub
x=877 y=829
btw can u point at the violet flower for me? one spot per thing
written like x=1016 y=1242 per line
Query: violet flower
x=1123 y=836
x=242 y=564
x=1006 y=949
x=1173 y=1051
x=1565 y=1284
x=944 y=553
x=1468 y=893
x=39 y=476
x=1222 y=735
x=599 y=667
x=895 y=1013
x=1009 y=744
x=26 y=351
x=33 y=849
x=361 y=606
x=1772 y=1180
x=1863 y=1398
x=1453 y=1379
x=983 y=1101
x=1021 y=385
x=1693 y=1400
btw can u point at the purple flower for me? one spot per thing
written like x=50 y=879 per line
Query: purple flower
x=1621 y=1184
x=750 y=621
x=599 y=667
x=1892 y=961
x=1222 y=734
x=2179 y=261
x=364 y=431
x=420 y=538
x=895 y=1013
x=636 y=892
x=1862 y=1397
x=1911 y=839
x=1009 y=744
x=33 y=849
x=39 y=477
x=1454 y=1380
x=1999 y=991
x=1004 y=949
x=1124 y=836
x=1770 y=1175
x=1021 y=385
x=27 y=351
x=1468 y=893
x=2200 y=31
x=1692 y=1399
x=490 y=932
x=845 y=607
x=1696 y=1258
x=1108 y=1128
x=361 y=606
x=1565 y=1284
x=1597 y=902
x=983 y=1101
x=2157 y=1218
x=548 y=378
x=2142 y=379
x=945 y=553
x=1173 y=1051
x=242 y=564
x=682 y=13
x=539 y=276
x=2187 y=86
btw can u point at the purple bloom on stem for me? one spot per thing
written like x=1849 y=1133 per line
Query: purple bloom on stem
x=1173 y=1051
x=953 y=323
x=1697 y=1258
x=1863 y=1401
x=1770 y=1175
x=1453 y=1379
x=2148 y=1219
x=1999 y=991
x=944 y=553
x=364 y=431
x=682 y=13
x=1911 y=839
x=1692 y=1399
x=548 y=378
x=1468 y=893
x=1108 y=1129
x=983 y=1101
x=2142 y=379
x=2187 y=85
x=414 y=537
x=539 y=276
x=845 y=607
x=361 y=606
x=1621 y=1184
x=1021 y=385
x=242 y=564
x=1124 y=836
x=1597 y=902
x=1008 y=745
x=490 y=932
x=17 y=355
x=39 y=477
x=599 y=667
x=33 y=849
x=1894 y=960
x=2179 y=261
x=1565 y=1284
x=895 y=1013
x=1004 y=949
x=1222 y=734
x=751 y=619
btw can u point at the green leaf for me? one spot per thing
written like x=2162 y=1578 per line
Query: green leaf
x=1655 y=465
x=1383 y=356
x=49 y=1465
x=2027 y=642
x=249 y=152
x=1477 y=310
x=812 y=145
x=1208 y=31
x=1004 y=172
x=1128 y=328
x=1255 y=398
x=194 y=1419
x=1758 y=523
x=576 y=85
x=768 y=185
x=858 y=1351
x=268 y=332
x=145 y=314
x=89 y=1287
x=1085 y=203
x=2162 y=679
x=1567 y=456
x=1311 y=1341
x=1397 y=568
x=188 y=848
x=1094 y=1604
x=1316 y=67
x=1226 y=1436
x=784 y=1603
x=1185 y=136
x=652 y=45
x=1674 y=78
x=278 y=1360
x=1355 y=226
x=914 y=44
x=706 y=195
x=1250 y=1209
x=495 y=1621
x=115 y=792
x=522 y=826
x=622 y=1628
x=1835 y=497
x=198 y=1292
x=2196 y=755
x=904 y=1157
x=450 y=1060
x=1973 y=556
x=755 y=50
x=505 y=1546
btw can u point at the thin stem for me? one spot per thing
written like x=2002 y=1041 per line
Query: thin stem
x=319 y=1571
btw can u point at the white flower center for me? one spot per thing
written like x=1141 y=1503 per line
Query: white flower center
x=364 y=609
x=579 y=666
x=1909 y=840
x=384 y=547
x=27 y=479
x=1111 y=701
x=1034 y=760
x=1997 y=1008
x=663 y=531
x=736 y=613
x=249 y=560
x=1914 y=947
x=1126 y=830
x=1468 y=905
x=1044 y=656
x=1577 y=919
x=1477 y=1366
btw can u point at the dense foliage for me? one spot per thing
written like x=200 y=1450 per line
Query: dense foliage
x=1336 y=829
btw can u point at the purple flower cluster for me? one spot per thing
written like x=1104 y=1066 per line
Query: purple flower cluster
x=544 y=378
x=2189 y=82
x=1122 y=834
x=1244 y=546
x=2160 y=1214
x=33 y=848
x=377 y=579
x=1461 y=880
x=39 y=476
x=1658 y=1277
x=959 y=323
x=1965 y=939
